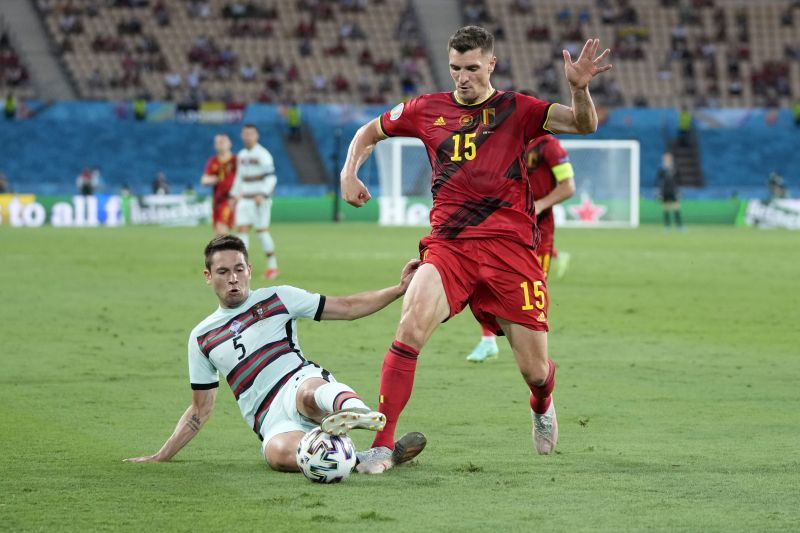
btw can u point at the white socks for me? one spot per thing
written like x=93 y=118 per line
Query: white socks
x=269 y=248
x=333 y=397
x=267 y=242
x=490 y=340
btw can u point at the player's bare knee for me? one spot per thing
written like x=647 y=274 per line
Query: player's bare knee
x=413 y=329
x=307 y=404
x=281 y=456
x=535 y=374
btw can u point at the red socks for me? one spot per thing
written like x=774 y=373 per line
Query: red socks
x=541 y=395
x=487 y=332
x=397 y=380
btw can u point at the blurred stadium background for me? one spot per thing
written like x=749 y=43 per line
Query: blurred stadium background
x=128 y=89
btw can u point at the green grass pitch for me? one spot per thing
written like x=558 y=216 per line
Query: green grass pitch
x=677 y=389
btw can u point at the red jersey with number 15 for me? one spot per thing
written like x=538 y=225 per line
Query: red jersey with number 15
x=226 y=172
x=479 y=183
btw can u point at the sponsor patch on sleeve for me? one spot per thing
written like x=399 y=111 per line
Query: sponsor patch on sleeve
x=396 y=111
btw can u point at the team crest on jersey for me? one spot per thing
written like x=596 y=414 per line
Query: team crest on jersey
x=396 y=111
x=465 y=121
x=487 y=116
x=235 y=326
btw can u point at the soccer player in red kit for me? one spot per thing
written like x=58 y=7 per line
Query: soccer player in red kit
x=481 y=247
x=219 y=173
x=552 y=181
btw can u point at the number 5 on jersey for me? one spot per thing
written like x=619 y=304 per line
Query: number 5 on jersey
x=470 y=150
x=238 y=346
x=538 y=295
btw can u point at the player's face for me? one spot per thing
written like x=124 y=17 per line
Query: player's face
x=249 y=137
x=222 y=144
x=470 y=72
x=229 y=276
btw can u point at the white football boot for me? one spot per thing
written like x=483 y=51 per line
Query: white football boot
x=374 y=461
x=545 y=430
x=484 y=351
x=344 y=421
x=379 y=460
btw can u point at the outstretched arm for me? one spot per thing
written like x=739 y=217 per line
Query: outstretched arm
x=562 y=191
x=354 y=191
x=366 y=303
x=188 y=426
x=208 y=180
x=582 y=116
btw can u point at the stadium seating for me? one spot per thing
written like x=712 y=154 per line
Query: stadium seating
x=739 y=148
x=51 y=150
x=665 y=53
x=666 y=56
x=13 y=74
x=114 y=50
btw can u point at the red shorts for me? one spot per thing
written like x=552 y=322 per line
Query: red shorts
x=498 y=278
x=222 y=213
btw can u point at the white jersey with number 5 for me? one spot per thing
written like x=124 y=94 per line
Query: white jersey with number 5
x=254 y=346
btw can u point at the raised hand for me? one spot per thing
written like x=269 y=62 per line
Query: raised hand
x=581 y=72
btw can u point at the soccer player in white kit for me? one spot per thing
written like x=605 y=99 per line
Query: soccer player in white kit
x=251 y=340
x=252 y=193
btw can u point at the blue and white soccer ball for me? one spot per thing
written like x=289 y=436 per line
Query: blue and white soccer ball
x=325 y=458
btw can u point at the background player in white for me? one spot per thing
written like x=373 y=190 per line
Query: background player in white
x=252 y=193
x=251 y=339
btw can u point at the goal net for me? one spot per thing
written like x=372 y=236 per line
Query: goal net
x=606 y=181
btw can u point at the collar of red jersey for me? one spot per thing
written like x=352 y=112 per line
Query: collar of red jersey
x=457 y=100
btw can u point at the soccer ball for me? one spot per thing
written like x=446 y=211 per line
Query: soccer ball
x=326 y=458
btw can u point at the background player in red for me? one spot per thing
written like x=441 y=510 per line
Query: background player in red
x=219 y=173
x=481 y=247
x=551 y=177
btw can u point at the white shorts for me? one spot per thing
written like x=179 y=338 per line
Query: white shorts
x=283 y=415
x=250 y=214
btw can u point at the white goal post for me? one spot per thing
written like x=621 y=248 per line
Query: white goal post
x=606 y=181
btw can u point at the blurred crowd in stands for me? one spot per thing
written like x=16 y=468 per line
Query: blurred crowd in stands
x=12 y=72
x=210 y=55
x=708 y=54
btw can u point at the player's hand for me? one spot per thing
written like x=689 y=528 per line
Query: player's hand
x=259 y=199
x=581 y=72
x=354 y=191
x=408 y=273
x=537 y=206
x=146 y=459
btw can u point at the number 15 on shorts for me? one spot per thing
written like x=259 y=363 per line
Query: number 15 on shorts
x=538 y=296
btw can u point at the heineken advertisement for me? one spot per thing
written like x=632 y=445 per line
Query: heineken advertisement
x=774 y=214
x=582 y=211
x=27 y=210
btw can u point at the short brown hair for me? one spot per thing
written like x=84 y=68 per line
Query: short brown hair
x=225 y=242
x=471 y=37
